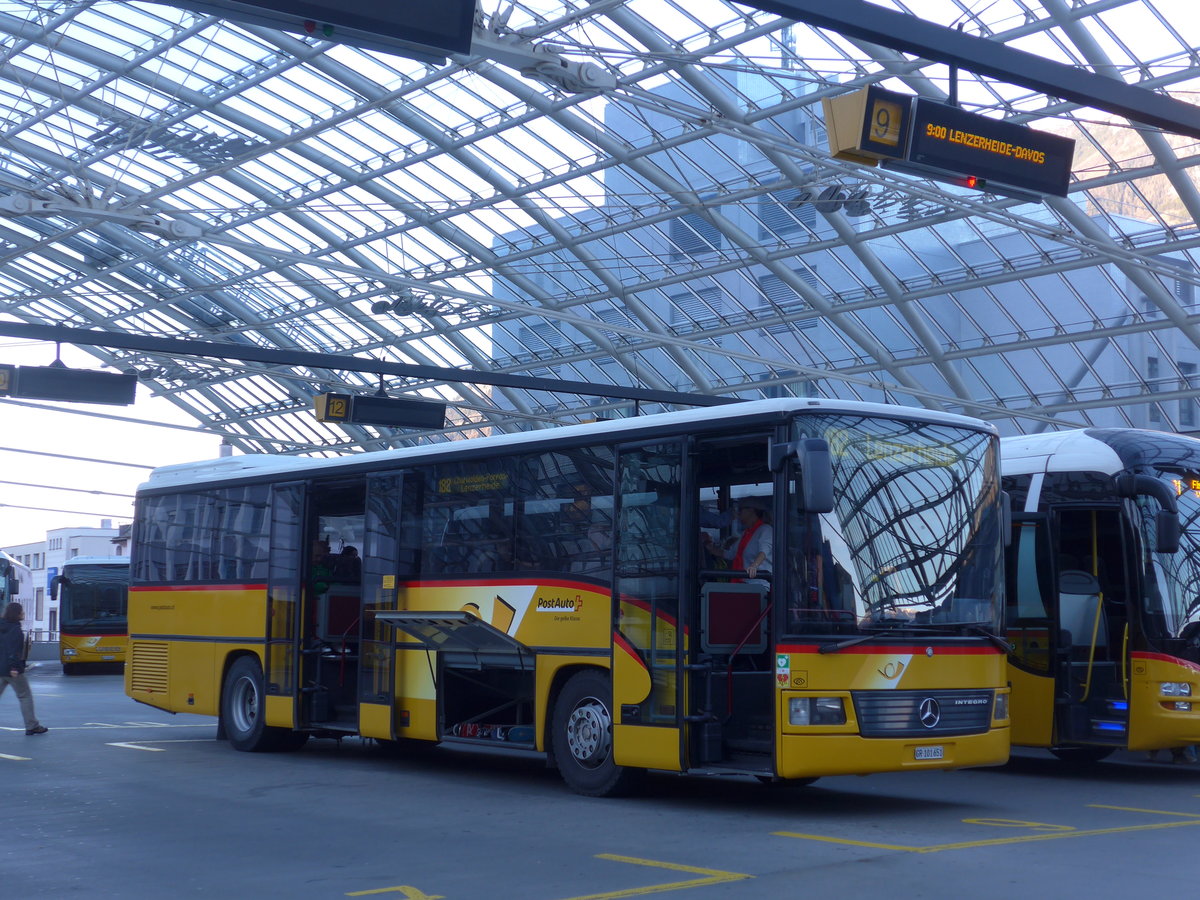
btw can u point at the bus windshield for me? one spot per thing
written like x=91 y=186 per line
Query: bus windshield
x=914 y=539
x=94 y=597
x=1172 y=595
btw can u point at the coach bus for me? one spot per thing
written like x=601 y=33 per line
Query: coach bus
x=16 y=585
x=558 y=591
x=1104 y=591
x=92 y=594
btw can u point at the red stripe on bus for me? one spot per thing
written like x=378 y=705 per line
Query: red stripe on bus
x=914 y=649
x=509 y=582
x=1162 y=657
x=620 y=642
x=154 y=588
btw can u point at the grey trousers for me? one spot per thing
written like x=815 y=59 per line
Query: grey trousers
x=24 y=695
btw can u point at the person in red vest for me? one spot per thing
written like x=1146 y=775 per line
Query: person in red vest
x=751 y=551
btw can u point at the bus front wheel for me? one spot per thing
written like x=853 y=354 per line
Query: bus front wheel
x=243 y=708
x=582 y=738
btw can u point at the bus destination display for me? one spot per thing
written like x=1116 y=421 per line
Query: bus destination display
x=945 y=137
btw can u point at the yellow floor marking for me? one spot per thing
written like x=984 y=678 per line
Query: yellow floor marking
x=411 y=893
x=1153 y=812
x=1018 y=823
x=17 y=758
x=711 y=876
x=991 y=842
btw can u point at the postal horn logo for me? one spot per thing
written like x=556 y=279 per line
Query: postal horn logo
x=892 y=670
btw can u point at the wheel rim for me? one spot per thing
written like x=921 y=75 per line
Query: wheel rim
x=589 y=732
x=244 y=708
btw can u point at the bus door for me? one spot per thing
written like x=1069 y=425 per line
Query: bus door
x=284 y=584
x=1035 y=661
x=380 y=591
x=650 y=630
x=731 y=662
x=1090 y=596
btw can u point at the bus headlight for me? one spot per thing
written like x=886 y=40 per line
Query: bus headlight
x=816 y=711
x=1176 y=689
x=1001 y=711
x=70 y=651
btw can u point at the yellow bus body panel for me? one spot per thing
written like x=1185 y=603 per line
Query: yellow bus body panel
x=183 y=637
x=646 y=747
x=1154 y=722
x=91 y=649
x=1032 y=708
x=280 y=711
x=810 y=750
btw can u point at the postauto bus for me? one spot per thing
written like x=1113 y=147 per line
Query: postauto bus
x=92 y=594
x=551 y=591
x=1103 y=602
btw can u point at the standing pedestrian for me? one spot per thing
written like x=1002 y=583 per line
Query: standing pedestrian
x=12 y=653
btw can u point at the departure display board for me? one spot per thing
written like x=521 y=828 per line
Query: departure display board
x=945 y=137
x=390 y=25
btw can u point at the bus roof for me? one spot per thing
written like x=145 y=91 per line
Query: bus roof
x=263 y=465
x=1104 y=450
x=97 y=561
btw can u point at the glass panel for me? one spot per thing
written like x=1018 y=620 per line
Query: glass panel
x=283 y=587
x=647 y=568
x=379 y=587
x=914 y=538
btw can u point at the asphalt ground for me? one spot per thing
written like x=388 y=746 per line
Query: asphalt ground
x=122 y=800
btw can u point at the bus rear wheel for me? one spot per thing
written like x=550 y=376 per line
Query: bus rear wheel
x=243 y=711
x=582 y=736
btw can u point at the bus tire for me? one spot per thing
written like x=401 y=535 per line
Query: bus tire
x=70 y=669
x=581 y=735
x=243 y=708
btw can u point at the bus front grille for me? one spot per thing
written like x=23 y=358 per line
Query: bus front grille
x=893 y=714
x=148 y=667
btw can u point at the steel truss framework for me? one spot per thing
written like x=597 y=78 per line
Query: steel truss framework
x=635 y=193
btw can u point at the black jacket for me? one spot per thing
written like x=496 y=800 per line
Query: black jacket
x=12 y=647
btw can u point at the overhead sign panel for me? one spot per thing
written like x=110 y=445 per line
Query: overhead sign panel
x=417 y=28
x=73 y=385
x=393 y=412
x=868 y=125
x=945 y=137
x=873 y=126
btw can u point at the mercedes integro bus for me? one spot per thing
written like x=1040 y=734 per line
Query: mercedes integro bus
x=1103 y=610
x=92 y=594
x=588 y=592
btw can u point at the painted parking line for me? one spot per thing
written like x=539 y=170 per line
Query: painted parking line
x=1059 y=832
x=140 y=745
x=97 y=726
x=14 y=758
x=708 y=876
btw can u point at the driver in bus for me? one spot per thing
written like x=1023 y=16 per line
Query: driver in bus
x=750 y=551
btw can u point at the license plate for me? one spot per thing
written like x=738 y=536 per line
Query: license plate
x=930 y=752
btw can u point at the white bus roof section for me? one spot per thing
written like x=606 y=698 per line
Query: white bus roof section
x=235 y=467
x=96 y=561
x=1059 y=451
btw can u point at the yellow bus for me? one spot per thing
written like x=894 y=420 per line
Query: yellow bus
x=1103 y=570
x=92 y=594
x=585 y=592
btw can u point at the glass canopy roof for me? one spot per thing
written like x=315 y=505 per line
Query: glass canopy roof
x=626 y=193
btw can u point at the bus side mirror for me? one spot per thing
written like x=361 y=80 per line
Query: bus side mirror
x=1167 y=526
x=55 y=583
x=816 y=475
x=816 y=470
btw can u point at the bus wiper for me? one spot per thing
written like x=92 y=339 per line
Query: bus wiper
x=991 y=636
x=886 y=627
